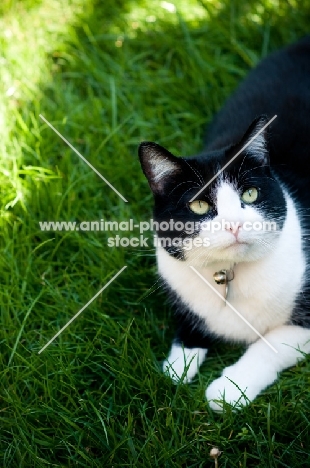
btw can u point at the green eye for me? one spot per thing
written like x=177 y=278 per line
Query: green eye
x=199 y=207
x=249 y=195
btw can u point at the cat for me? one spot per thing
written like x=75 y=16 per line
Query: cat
x=265 y=271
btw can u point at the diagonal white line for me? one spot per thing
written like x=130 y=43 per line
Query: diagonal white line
x=82 y=157
x=235 y=310
x=233 y=158
x=83 y=308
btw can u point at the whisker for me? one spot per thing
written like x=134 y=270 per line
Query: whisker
x=184 y=182
x=197 y=173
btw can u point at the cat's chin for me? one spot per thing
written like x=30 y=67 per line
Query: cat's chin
x=236 y=252
x=239 y=252
x=235 y=256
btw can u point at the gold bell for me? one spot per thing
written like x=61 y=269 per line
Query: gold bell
x=220 y=277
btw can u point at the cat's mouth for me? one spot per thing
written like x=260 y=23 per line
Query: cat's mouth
x=237 y=243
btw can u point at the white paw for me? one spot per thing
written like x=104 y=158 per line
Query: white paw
x=232 y=387
x=223 y=389
x=183 y=364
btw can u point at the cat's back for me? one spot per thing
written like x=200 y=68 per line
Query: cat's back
x=279 y=85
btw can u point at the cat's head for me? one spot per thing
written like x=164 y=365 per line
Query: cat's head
x=221 y=202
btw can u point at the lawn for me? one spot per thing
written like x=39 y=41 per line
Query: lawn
x=107 y=75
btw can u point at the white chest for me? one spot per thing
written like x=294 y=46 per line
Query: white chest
x=262 y=291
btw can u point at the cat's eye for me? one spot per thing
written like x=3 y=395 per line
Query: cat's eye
x=199 y=207
x=250 y=195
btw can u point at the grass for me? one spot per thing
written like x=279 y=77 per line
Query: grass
x=109 y=75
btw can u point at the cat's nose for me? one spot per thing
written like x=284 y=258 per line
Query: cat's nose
x=233 y=228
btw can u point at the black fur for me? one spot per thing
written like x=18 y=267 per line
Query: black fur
x=279 y=85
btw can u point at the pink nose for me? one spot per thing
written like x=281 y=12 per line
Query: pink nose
x=233 y=228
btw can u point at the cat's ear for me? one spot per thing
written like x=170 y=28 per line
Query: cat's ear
x=257 y=140
x=158 y=165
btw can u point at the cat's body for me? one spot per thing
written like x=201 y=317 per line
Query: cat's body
x=269 y=296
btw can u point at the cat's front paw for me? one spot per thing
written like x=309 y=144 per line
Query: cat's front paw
x=182 y=364
x=223 y=389
x=232 y=387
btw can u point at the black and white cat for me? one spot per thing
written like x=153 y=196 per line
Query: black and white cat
x=266 y=270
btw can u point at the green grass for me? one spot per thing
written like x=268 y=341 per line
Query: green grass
x=108 y=75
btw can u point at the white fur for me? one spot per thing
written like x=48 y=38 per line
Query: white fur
x=269 y=269
x=165 y=168
x=263 y=290
x=258 y=243
x=259 y=367
x=183 y=362
x=258 y=145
